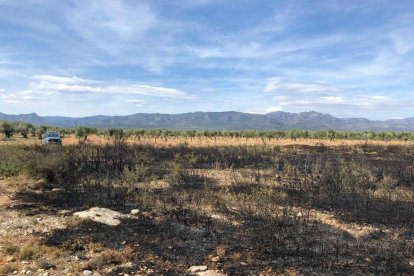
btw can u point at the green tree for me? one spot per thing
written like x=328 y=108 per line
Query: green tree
x=82 y=133
x=40 y=131
x=117 y=135
x=7 y=129
x=23 y=129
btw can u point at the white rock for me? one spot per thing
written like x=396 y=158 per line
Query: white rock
x=87 y=273
x=197 y=268
x=215 y=259
x=101 y=215
x=134 y=212
x=128 y=265
x=210 y=273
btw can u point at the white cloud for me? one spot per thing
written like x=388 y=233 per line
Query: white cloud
x=136 y=102
x=265 y=110
x=60 y=79
x=49 y=85
x=280 y=84
x=93 y=19
x=12 y=101
x=333 y=99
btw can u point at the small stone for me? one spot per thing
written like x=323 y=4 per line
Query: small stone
x=243 y=264
x=215 y=259
x=411 y=263
x=25 y=262
x=64 y=212
x=123 y=243
x=134 y=212
x=128 y=265
x=210 y=273
x=101 y=215
x=11 y=259
x=197 y=268
x=28 y=272
x=87 y=273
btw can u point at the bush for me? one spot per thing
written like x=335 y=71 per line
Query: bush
x=8 y=269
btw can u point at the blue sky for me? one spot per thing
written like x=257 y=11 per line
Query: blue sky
x=88 y=57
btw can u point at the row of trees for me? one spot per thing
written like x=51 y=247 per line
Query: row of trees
x=25 y=129
x=82 y=133
x=270 y=134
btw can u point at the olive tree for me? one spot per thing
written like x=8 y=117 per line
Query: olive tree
x=23 y=129
x=7 y=129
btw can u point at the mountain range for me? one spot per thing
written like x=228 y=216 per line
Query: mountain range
x=231 y=120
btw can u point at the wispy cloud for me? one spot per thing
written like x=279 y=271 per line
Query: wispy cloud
x=50 y=85
x=46 y=87
x=136 y=102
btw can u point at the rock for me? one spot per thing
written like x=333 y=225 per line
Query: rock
x=411 y=263
x=124 y=242
x=101 y=215
x=63 y=212
x=197 y=268
x=87 y=273
x=134 y=212
x=11 y=259
x=243 y=264
x=215 y=259
x=210 y=273
x=128 y=265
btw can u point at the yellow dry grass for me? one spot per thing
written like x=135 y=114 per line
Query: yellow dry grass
x=209 y=142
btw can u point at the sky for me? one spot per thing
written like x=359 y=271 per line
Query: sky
x=111 y=57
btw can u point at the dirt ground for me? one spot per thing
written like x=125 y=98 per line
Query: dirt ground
x=39 y=240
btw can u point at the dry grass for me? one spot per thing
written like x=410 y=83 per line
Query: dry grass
x=298 y=208
x=210 y=142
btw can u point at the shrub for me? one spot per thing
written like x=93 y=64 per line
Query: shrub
x=8 y=269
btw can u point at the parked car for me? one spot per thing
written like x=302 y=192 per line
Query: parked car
x=52 y=138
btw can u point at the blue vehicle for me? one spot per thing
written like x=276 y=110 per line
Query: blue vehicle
x=52 y=138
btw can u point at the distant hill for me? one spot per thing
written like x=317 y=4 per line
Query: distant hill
x=32 y=118
x=221 y=121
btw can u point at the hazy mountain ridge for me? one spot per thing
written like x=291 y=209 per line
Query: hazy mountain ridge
x=220 y=120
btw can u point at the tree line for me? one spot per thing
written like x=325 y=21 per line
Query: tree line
x=10 y=129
